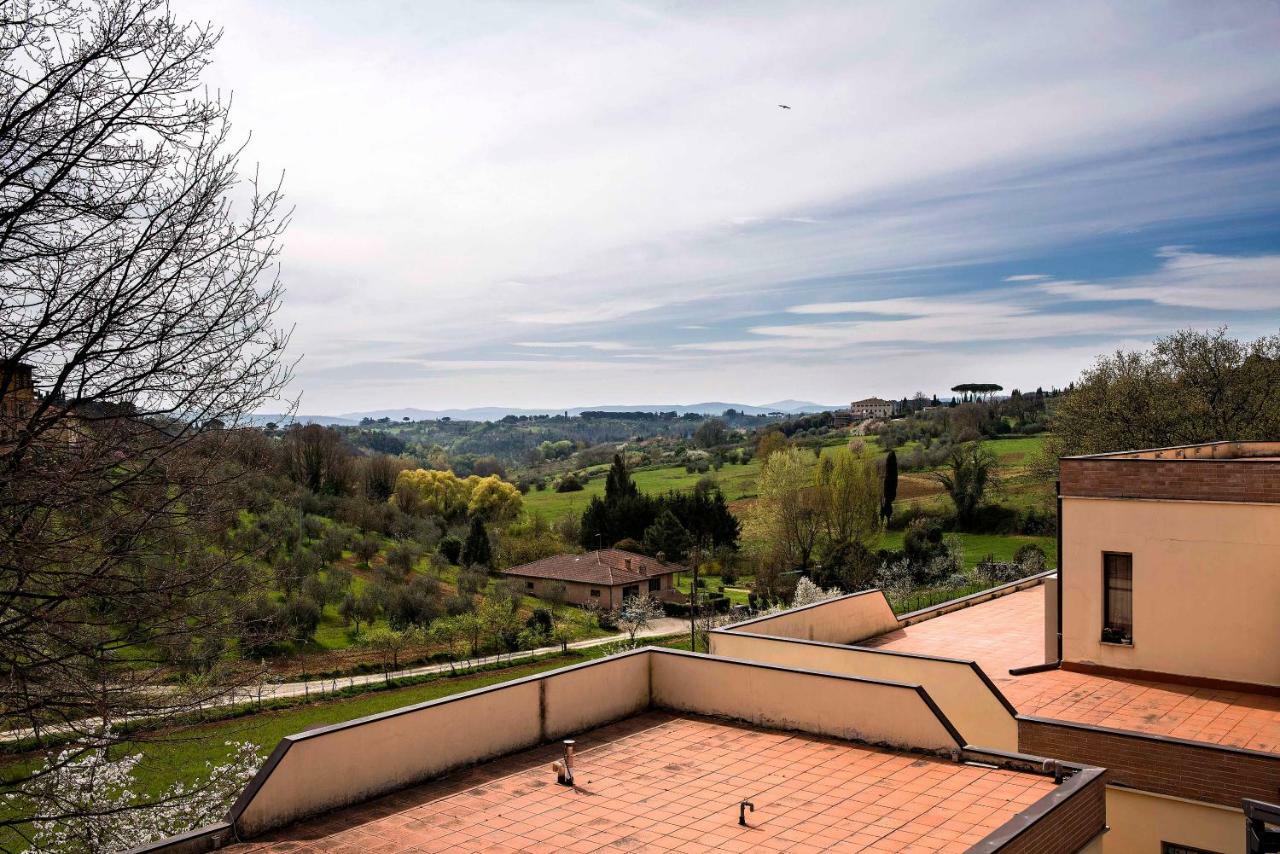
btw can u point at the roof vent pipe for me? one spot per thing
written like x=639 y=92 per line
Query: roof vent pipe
x=564 y=768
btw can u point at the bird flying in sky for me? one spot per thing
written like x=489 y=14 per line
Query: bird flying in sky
x=784 y=106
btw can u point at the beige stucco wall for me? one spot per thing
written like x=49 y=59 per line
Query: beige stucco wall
x=583 y=698
x=1140 y=821
x=577 y=593
x=787 y=699
x=353 y=764
x=1206 y=580
x=848 y=619
x=1051 y=619
x=967 y=701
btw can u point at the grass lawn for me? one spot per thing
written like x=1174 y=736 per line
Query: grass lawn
x=978 y=546
x=737 y=593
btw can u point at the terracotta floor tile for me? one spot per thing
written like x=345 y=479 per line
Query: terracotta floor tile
x=667 y=783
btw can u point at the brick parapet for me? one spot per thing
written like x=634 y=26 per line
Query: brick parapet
x=1208 y=773
x=1245 y=480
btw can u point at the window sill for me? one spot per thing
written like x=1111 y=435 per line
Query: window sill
x=1127 y=644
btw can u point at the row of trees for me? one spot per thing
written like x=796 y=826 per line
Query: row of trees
x=670 y=523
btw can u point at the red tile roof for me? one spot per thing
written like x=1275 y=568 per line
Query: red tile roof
x=1009 y=632
x=606 y=567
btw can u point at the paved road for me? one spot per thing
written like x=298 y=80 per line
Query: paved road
x=658 y=628
x=279 y=690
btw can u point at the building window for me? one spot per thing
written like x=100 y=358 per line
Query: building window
x=1175 y=848
x=1117 y=598
x=655 y=584
x=595 y=593
x=630 y=592
x=528 y=585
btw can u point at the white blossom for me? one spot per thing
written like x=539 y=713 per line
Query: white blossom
x=90 y=801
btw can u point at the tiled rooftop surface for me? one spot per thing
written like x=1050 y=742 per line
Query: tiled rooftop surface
x=658 y=782
x=1009 y=632
x=608 y=567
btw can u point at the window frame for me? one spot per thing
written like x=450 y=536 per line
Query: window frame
x=1167 y=847
x=1109 y=635
x=595 y=593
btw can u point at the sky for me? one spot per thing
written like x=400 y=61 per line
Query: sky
x=560 y=204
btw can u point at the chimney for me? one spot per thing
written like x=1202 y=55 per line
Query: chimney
x=626 y=561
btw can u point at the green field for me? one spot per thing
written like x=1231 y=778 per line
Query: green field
x=736 y=482
x=978 y=546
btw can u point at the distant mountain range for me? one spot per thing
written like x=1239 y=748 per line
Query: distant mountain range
x=494 y=413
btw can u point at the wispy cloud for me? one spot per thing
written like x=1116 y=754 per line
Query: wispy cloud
x=573 y=345
x=1027 y=277
x=1190 y=279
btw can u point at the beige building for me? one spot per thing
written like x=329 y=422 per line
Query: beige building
x=604 y=577
x=871 y=407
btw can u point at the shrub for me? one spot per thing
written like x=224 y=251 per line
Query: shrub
x=540 y=621
x=300 y=617
x=569 y=483
x=1031 y=558
x=472 y=580
x=450 y=549
x=458 y=603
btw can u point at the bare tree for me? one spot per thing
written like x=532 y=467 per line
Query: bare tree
x=137 y=295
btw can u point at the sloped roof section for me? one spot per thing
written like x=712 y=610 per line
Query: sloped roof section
x=607 y=567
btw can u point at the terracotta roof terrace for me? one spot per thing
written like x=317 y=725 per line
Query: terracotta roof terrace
x=672 y=782
x=1009 y=632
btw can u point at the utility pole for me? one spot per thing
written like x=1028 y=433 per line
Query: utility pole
x=693 y=599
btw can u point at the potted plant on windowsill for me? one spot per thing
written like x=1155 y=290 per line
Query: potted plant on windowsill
x=1112 y=635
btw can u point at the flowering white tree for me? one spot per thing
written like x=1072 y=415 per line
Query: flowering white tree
x=87 y=800
x=636 y=613
x=808 y=593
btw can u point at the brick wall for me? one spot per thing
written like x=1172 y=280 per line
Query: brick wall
x=1187 y=480
x=1199 y=772
x=1067 y=827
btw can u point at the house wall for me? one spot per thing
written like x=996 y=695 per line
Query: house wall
x=1140 y=821
x=1206 y=580
x=578 y=593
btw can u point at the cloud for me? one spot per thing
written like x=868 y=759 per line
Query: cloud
x=576 y=345
x=1190 y=279
x=1027 y=277
x=620 y=191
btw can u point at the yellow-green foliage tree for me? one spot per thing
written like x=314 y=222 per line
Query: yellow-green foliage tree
x=492 y=498
x=786 y=519
x=442 y=493
x=850 y=490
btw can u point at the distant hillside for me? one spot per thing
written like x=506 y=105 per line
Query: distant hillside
x=493 y=413
x=280 y=418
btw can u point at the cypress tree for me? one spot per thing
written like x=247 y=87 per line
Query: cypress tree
x=890 y=485
x=476 y=551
